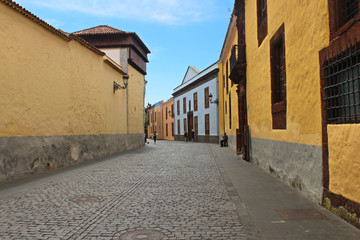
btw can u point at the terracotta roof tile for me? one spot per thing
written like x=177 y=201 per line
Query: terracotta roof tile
x=102 y=29
x=58 y=32
x=105 y=29
x=34 y=18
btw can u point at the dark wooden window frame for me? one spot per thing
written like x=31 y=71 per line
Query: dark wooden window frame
x=166 y=126
x=166 y=113
x=230 y=115
x=196 y=122
x=227 y=77
x=178 y=126
x=262 y=26
x=338 y=22
x=184 y=105
x=206 y=97
x=207 y=124
x=172 y=129
x=184 y=124
x=195 y=102
x=278 y=78
x=178 y=107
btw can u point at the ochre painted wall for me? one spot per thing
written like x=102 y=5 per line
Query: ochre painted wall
x=344 y=160
x=136 y=101
x=221 y=100
x=156 y=122
x=224 y=106
x=53 y=87
x=306 y=32
x=166 y=107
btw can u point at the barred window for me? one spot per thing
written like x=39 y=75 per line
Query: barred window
x=342 y=87
x=261 y=20
x=340 y=13
x=350 y=9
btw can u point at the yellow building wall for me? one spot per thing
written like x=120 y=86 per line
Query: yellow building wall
x=136 y=101
x=306 y=33
x=221 y=100
x=344 y=160
x=53 y=87
x=224 y=109
x=168 y=121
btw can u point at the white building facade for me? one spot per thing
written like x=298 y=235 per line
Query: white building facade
x=196 y=105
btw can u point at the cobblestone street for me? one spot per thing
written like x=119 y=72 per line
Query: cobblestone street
x=171 y=190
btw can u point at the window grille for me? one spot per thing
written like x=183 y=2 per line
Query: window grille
x=351 y=8
x=342 y=86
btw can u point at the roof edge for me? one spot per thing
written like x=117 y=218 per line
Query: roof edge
x=35 y=19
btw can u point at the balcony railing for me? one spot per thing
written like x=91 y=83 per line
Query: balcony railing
x=238 y=63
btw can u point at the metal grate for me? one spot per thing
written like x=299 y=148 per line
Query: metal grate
x=342 y=86
x=351 y=8
x=238 y=55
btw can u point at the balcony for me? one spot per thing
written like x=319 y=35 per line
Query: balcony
x=238 y=63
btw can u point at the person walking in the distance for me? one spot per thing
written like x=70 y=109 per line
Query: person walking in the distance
x=154 y=137
x=192 y=135
x=185 y=136
x=224 y=142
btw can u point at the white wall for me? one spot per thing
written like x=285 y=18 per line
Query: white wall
x=212 y=110
x=119 y=55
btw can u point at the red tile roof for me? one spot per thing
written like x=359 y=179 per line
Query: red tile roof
x=103 y=29
x=106 y=30
x=67 y=37
x=34 y=18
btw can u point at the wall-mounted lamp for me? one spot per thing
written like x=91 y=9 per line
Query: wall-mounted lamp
x=170 y=114
x=118 y=86
x=216 y=101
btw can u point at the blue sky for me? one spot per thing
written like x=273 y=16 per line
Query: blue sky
x=179 y=33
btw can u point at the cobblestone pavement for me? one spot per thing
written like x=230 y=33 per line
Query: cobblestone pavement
x=171 y=190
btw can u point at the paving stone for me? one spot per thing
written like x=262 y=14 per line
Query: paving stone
x=172 y=187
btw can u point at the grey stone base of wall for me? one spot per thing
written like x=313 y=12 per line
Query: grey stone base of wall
x=298 y=165
x=23 y=156
x=231 y=142
x=199 y=138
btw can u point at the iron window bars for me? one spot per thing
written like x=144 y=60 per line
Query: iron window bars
x=350 y=8
x=342 y=86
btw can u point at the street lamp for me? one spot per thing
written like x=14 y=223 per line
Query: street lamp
x=170 y=114
x=216 y=101
x=118 y=86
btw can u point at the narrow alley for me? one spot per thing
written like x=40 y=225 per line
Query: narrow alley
x=167 y=190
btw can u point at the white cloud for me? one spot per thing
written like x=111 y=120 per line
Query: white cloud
x=164 y=11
